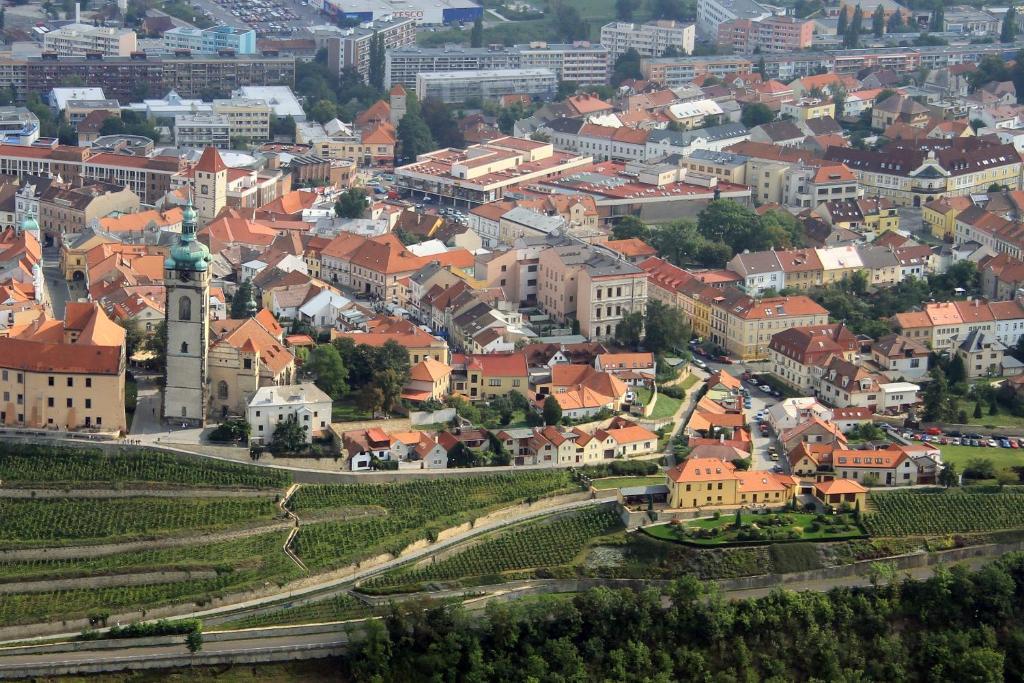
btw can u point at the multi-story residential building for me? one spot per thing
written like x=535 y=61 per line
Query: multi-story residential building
x=591 y=285
x=807 y=186
x=67 y=210
x=202 y=130
x=148 y=177
x=710 y=483
x=489 y=375
x=674 y=72
x=808 y=108
x=649 y=40
x=211 y=40
x=351 y=49
x=772 y=34
x=943 y=325
x=745 y=326
x=271 y=405
x=843 y=384
x=967 y=19
x=249 y=118
x=582 y=62
x=81 y=39
x=870 y=216
x=900 y=357
x=999 y=234
x=940 y=215
x=603 y=143
x=189 y=76
x=65 y=374
x=712 y=13
x=914 y=173
x=461 y=86
x=700 y=141
x=799 y=355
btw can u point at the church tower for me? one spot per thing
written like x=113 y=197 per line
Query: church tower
x=210 y=184
x=187 y=279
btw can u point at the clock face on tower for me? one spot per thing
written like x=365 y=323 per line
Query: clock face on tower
x=184 y=275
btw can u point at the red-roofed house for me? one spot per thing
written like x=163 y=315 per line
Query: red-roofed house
x=494 y=374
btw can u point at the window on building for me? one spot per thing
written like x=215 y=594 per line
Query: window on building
x=88 y=382
x=184 y=308
x=71 y=381
x=88 y=403
x=247 y=363
x=184 y=347
x=49 y=380
x=49 y=402
x=222 y=390
x=70 y=403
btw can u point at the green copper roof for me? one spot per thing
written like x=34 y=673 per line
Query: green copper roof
x=189 y=253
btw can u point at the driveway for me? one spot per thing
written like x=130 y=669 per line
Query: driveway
x=55 y=288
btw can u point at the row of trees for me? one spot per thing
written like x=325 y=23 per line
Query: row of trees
x=955 y=626
x=722 y=229
x=662 y=329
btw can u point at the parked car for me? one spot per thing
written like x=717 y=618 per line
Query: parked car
x=764 y=429
x=700 y=364
x=992 y=443
x=1005 y=443
x=725 y=360
x=1014 y=443
x=760 y=416
x=765 y=388
x=934 y=431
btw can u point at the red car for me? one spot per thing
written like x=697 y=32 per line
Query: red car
x=934 y=431
x=724 y=359
x=764 y=429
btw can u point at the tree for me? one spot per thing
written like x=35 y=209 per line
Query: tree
x=978 y=414
x=852 y=36
x=738 y=524
x=351 y=203
x=938 y=18
x=476 y=36
x=329 y=372
x=194 y=641
x=413 y=134
x=460 y=455
x=665 y=327
x=375 y=73
x=443 y=126
x=843 y=22
x=948 y=476
x=630 y=330
x=552 y=411
x=1009 y=31
x=370 y=399
x=878 y=21
x=762 y=68
x=241 y=302
x=895 y=24
x=731 y=223
x=289 y=436
x=936 y=398
x=755 y=114
x=624 y=9
x=956 y=372
x=628 y=227
x=569 y=24
x=133 y=338
x=323 y=111
x=627 y=66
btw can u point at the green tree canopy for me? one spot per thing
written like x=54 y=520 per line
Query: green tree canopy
x=328 y=370
x=755 y=114
x=630 y=329
x=289 y=436
x=552 y=411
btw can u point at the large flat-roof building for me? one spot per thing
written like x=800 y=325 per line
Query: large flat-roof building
x=211 y=40
x=202 y=130
x=81 y=39
x=711 y=13
x=650 y=39
x=460 y=86
x=582 y=62
x=421 y=11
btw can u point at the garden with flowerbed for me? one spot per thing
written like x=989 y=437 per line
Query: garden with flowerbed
x=743 y=529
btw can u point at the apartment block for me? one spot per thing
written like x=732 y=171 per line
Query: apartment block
x=712 y=13
x=351 y=50
x=248 y=118
x=461 y=86
x=745 y=325
x=81 y=39
x=650 y=39
x=202 y=130
x=773 y=35
x=211 y=40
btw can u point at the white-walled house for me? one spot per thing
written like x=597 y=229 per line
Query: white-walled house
x=273 y=404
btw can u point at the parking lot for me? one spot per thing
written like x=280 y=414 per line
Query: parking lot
x=269 y=18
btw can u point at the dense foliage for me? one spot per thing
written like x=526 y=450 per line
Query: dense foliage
x=928 y=512
x=548 y=543
x=409 y=510
x=24 y=465
x=956 y=626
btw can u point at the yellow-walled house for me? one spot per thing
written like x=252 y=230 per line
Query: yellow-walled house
x=710 y=482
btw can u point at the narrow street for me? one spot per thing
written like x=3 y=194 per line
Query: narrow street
x=55 y=288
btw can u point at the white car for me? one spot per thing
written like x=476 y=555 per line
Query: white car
x=765 y=388
x=700 y=364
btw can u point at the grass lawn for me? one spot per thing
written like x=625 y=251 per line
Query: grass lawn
x=776 y=383
x=665 y=407
x=830 y=529
x=348 y=412
x=1001 y=419
x=643 y=395
x=625 y=482
x=688 y=382
x=1002 y=458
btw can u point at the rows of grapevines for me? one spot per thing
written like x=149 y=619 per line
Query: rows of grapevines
x=541 y=544
x=913 y=513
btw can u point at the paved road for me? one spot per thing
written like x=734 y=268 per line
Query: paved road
x=148 y=408
x=54 y=285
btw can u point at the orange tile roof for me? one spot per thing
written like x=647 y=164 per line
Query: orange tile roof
x=429 y=370
x=634 y=246
x=839 y=486
x=132 y=222
x=210 y=161
x=498 y=364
